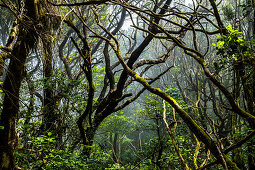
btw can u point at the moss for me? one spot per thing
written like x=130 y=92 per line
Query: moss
x=2 y=58
x=193 y=126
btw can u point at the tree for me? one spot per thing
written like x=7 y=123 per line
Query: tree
x=26 y=39
x=29 y=18
x=199 y=57
x=108 y=103
x=166 y=42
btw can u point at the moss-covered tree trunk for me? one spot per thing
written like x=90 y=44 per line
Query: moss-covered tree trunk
x=251 y=144
x=25 y=41
x=49 y=117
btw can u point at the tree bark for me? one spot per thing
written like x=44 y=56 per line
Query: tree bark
x=15 y=74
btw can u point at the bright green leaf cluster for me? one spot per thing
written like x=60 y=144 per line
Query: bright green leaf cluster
x=233 y=46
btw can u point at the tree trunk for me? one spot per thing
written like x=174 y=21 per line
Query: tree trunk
x=50 y=119
x=49 y=105
x=15 y=74
x=115 y=155
x=251 y=149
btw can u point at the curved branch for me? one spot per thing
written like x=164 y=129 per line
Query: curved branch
x=141 y=91
x=62 y=57
x=92 y=2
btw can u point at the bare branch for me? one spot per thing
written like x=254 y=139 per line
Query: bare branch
x=93 y=2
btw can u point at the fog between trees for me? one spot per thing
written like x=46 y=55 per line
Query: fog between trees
x=158 y=84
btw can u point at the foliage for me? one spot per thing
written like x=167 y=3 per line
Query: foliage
x=234 y=47
x=118 y=123
x=43 y=155
x=158 y=148
x=68 y=116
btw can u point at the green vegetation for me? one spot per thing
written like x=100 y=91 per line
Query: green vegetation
x=106 y=84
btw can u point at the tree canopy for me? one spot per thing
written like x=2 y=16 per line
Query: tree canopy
x=132 y=84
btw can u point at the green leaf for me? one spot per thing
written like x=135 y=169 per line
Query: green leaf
x=49 y=133
x=234 y=57
x=20 y=120
x=1 y=127
x=38 y=122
